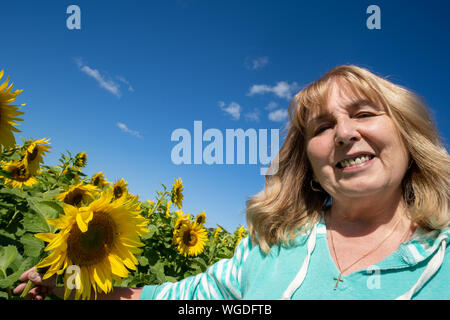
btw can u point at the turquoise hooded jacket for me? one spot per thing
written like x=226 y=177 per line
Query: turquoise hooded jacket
x=419 y=269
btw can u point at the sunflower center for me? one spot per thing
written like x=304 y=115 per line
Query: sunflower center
x=20 y=174
x=32 y=155
x=200 y=220
x=74 y=198
x=190 y=238
x=81 y=161
x=92 y=246
x=118 y=192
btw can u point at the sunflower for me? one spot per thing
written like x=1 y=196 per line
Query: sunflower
x=72 y=172
x=120 y=189
x=8 y=113
x=34 y=153
x=101 y=239
x=190 y=238
x=99 y=180
x=19 y=175
x=201 y=218
x=181 y=218
x=80 y=159
x=169 y=204
x=217 y=232
x=176 y=193
x=240 y=233
x=78 y=194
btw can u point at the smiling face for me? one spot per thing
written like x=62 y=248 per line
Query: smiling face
x=354 y=147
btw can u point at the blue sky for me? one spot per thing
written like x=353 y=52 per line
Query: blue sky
x=138 y=70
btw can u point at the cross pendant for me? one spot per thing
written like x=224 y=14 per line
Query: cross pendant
x=338 y=279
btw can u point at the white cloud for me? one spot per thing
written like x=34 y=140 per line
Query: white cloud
x=125 y=129
x=279 y=115
x=259 y=63
x=272 y=105
x=232 y=109
x=103 y=80
x=282 y=89
x=122 y=79
x=252 y=116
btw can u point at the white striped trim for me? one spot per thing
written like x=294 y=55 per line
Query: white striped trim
x=225 y=276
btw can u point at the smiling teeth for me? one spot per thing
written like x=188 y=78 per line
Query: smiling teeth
x=354 y=161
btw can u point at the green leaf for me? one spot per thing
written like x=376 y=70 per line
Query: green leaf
x=19 y=266
x=7 y=256
x=47 y=208
x=143 y=261
x=7 y=205
x=7 y=238
x=16 y=156
x=14 y=191
x=158 y=271
x=152 y=256
x=32 y=245
x=171 y=279
x=34 y=222
x=50 y=208
x=201 y=263
x=153 y=229
x=51 y=193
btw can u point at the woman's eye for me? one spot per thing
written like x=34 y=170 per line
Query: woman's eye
x=364 y=115
x=321 y=129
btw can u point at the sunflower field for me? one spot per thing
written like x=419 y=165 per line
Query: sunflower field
x=58 y=218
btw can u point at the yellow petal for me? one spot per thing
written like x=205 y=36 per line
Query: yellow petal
x=56 y=266
x=83 y=217
x=128 y=242
x=59 y=223
x=92 y=280
x=117 y=266
x=86 y=283
x=100 y=278
x=128 y=259
x=67 y=292
x=47 y=237
x=58 y=242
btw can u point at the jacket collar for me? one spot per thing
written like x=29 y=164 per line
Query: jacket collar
x=418 y=248
x=423 y=244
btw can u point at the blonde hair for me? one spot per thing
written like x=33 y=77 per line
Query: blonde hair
x=288 y=206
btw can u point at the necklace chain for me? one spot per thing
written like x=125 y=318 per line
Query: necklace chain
x=338 y=279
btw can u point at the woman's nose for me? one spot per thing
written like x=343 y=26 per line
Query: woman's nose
x=346 y=132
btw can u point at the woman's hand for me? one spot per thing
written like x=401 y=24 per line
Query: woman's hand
x=41 y=289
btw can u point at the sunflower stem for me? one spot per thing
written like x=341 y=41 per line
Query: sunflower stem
x=28 y=287
x=15 y=214
x=158 y=203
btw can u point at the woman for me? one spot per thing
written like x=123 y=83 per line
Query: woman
x=358 y=208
